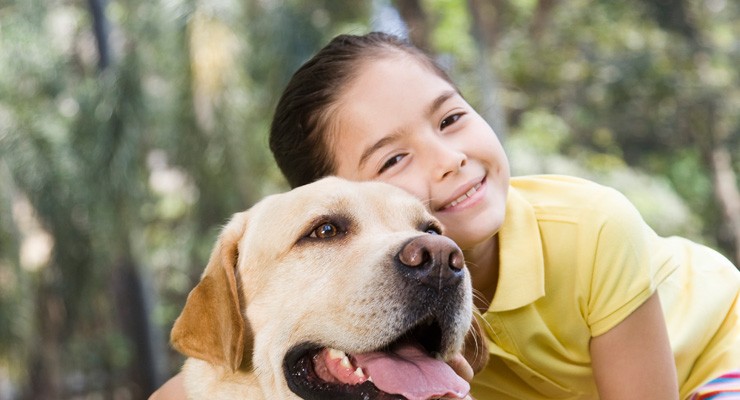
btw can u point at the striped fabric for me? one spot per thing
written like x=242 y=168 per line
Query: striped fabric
x=726 y=387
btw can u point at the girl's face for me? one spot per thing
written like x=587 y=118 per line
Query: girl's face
x=401 y=123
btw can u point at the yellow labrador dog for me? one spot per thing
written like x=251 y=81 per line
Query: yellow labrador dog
x=334 y=290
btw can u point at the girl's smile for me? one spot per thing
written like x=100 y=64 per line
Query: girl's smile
x=469 y=197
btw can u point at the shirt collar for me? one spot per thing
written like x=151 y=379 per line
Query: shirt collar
x=521 y=278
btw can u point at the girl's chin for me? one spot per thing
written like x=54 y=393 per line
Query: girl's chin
x=469 y=231
x=471 y=235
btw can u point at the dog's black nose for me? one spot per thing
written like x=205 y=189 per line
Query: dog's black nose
x=434 y=260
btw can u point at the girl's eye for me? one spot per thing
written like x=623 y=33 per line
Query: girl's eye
x=449 y=121
x=391 y=162
x=325 y=231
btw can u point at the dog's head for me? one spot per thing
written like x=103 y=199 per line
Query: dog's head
x=333 y=290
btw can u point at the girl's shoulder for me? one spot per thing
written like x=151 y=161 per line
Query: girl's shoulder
x=554 y=182
x=596 y=210
x=562 y=192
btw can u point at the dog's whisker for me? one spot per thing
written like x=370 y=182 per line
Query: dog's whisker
x=478 y=295
x=479 y=317
x=481 y=298
x=479 y=346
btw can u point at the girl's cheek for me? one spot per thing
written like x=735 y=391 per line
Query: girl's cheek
x=410 y=186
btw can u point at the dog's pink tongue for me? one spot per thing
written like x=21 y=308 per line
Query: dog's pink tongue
x=410 y=372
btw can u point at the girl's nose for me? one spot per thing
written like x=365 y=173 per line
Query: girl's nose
x=448 y=160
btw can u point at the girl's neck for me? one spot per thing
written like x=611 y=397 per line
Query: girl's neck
x=483 y=264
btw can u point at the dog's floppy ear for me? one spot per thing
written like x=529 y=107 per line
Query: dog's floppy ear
x=212 y=326
x=475 y=349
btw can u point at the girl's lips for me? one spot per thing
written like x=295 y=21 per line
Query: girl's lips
x=462 y=198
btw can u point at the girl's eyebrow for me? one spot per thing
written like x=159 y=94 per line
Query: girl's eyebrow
x=385 y=140
x=439 y=100
x=433 y=107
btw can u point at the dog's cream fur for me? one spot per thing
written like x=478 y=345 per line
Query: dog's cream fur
x=270 y=284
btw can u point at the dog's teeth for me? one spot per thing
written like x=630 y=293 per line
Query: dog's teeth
x=359 y=373
x=335 y=354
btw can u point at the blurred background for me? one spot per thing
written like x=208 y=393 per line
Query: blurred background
x=131 y=130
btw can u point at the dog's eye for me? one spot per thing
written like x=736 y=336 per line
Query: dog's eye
x=325 y=231
x=328 y=227
x=433 y=229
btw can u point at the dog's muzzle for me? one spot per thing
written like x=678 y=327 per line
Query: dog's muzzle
x=432 y=317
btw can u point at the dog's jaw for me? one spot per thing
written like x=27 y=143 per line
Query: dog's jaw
x=268 y=362
x=207 y=381
x=452 y=318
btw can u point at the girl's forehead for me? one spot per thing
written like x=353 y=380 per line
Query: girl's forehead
x=385 y=81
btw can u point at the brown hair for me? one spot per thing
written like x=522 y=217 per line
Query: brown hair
x=300 y=125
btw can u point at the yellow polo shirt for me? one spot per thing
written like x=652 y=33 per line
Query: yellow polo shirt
x=576 y=259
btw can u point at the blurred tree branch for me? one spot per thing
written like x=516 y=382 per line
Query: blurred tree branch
x=101 y=30
x=413 y=14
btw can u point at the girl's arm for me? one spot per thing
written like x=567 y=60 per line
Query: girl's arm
x=173 y=389
x=634 y=359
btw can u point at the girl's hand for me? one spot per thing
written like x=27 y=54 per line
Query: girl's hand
x=634 y=359
x=462 y=368
x=173 y=389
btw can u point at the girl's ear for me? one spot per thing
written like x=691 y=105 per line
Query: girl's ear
x=212 y=325
x=475 y=349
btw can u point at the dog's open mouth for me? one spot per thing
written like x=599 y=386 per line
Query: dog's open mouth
x=408 y=369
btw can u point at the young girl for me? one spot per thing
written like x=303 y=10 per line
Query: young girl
x=579 y=297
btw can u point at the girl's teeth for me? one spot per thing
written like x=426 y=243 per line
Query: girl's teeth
x=465 y=196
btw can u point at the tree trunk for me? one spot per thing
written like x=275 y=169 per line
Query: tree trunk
x=45 y=375
x=486 y=23
x=415 y=18
x=728 y=195
x=489 y=21
x=541 y=18
x=709 y=139
x=133 y=319
x=100 y=28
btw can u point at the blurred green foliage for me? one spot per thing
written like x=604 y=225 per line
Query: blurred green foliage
x=115 y=181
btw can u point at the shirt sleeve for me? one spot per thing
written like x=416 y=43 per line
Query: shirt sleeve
x=628 y=263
